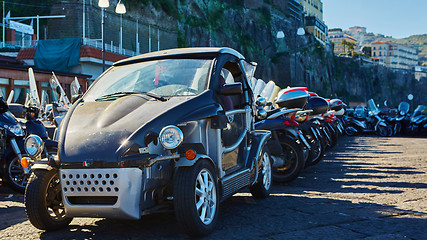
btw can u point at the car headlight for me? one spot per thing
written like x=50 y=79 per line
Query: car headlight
x=34 y=145
x=171 y=137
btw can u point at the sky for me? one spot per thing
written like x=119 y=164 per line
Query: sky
x=396 y=18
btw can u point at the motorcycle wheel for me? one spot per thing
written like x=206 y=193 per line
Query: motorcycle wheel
x=334 y=136
x=351 y=131
x=13 y=173
x=316 y=152
x=390 y=131
x=196 y=198
x=43 y=201
x=294 y=162
x=382 y=131
x=262 y=187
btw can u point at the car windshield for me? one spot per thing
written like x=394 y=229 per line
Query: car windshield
x=171 y=77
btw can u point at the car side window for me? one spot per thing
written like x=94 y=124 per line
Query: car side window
x=232 y=74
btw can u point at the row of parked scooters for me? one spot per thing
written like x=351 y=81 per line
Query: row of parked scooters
x=386 y=122
x=35 y=117
x=303 y=126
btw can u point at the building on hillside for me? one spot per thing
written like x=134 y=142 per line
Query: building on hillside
x=313 y=19
x=312 y=8
x=14 y=76
x=90 y=61
x=338 y=38
x=394 y=55
x=316 y=27
x=295 y=10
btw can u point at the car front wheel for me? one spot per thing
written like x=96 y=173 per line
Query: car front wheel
x=196 y=198
x=43 y=201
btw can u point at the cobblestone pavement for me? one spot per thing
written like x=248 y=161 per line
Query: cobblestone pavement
x=366 y=188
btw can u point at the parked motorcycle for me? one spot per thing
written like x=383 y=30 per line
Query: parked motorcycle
x=288 y=146
x=367 y=121
x=11 y=143
x=314 y=131
x=418 y=123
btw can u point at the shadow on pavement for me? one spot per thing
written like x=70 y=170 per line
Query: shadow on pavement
x=332 y=200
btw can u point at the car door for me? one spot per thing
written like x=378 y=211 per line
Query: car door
x=234 y=136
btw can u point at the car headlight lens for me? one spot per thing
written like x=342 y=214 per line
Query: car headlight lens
x=171 y=137
x=33 y=145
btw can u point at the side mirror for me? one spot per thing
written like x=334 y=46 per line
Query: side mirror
x=75 y=97
x=231 y=89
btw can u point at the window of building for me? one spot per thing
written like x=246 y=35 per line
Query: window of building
x=379 y=54
x=379 y=48
x=375 y=54
x=22 y=87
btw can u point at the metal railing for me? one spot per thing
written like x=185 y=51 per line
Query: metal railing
x=96 y=43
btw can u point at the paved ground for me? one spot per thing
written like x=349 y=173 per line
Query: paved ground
x=366 y=188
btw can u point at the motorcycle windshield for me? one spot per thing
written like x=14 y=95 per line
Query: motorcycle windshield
x=404 y=107
x=164 y=78
x=419 y=110
x=359 y=111
x=372 y=107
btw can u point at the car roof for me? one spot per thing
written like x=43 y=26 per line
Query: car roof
x=198 y=52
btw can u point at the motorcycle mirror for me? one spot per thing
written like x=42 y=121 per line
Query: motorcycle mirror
x=261 y=102
x=75 y=97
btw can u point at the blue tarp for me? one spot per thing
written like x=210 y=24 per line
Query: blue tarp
x=57 y=54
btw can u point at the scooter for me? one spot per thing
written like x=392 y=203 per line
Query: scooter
x=367 y=121
x=418 y=124
x=288 y=146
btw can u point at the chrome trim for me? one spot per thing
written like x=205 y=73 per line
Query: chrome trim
x=237 y=144
x=16 y=148
x=284 y=111
x=305 y=111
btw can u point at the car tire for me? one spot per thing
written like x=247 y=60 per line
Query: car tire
x=44 y=191
x=262 y=187
x=294 y=162
x=196 y=206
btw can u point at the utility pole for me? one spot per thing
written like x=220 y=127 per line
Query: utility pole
x=149 y=38
x=4 y=29
x=84 y=22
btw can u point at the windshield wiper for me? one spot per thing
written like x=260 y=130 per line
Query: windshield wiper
x=116 y=95
x=153 y=95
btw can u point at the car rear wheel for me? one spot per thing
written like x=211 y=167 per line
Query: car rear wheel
x=262 y=187
x=196 y=198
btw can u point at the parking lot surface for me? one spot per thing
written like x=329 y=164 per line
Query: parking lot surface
x=366 y=187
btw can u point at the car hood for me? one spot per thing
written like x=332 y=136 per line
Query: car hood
x=101 y=131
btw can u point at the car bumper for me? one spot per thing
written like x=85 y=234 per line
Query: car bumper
x=102 y=192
